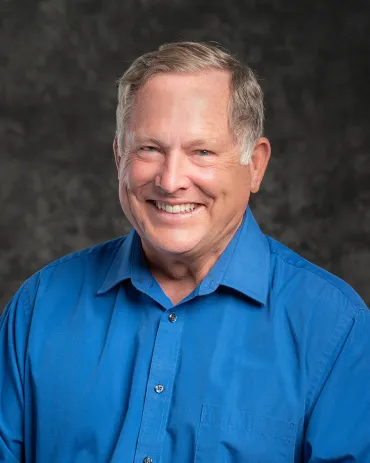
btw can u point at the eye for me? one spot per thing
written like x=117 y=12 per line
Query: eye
x=204 y=153
x=148 y=148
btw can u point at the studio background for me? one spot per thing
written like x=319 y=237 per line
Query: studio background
x=59 y=60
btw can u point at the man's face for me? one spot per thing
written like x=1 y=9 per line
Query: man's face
x=181 y=184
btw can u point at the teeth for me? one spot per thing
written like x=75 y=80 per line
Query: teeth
x=188 y=207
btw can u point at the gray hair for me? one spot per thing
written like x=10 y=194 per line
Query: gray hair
x=246 y=112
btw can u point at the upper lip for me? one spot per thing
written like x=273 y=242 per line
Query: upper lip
x=174 y=202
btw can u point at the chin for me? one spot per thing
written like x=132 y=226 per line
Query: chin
x=174 y=246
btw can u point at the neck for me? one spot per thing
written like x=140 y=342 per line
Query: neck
x=185 y=271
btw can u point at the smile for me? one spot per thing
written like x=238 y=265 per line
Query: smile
x=176 y=208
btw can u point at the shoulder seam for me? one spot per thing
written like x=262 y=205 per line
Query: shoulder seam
x=78 y=254
x=353 y=303
x=28 y=293
x=331 y=352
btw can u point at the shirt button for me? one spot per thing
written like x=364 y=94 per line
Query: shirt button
x=147 y=460
x=159 y=388
x=172 y=317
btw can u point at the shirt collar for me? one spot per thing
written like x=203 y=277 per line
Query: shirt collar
x=243 y=266
x=248 y=269
x=120 y=268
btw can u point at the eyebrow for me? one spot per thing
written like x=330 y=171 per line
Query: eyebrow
x=145 y=139
x=192 y=144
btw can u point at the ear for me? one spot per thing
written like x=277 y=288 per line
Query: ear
x=117 y=156
x=260 y=158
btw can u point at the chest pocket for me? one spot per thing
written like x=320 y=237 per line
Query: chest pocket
x=235 y=436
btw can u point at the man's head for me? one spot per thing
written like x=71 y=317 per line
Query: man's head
x=189 y=126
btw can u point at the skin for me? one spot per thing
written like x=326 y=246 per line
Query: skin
x=181 y=150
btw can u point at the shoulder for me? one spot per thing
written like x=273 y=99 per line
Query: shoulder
x=318 y=310
x=53 y=294
x=302 y=280
x=68 y=274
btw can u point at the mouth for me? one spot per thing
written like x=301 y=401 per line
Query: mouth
x=180 y=208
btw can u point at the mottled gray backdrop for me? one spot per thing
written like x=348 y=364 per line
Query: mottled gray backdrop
x=59 y=60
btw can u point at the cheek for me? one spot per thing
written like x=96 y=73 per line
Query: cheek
x=136 y=174
x=229 y=187
x=216 y=182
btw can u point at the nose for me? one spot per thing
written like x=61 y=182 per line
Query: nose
x=173 y=175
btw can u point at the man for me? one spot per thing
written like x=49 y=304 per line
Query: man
x=196 y=338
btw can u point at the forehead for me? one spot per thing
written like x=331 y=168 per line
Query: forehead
x=188 y=102
x=205 y=81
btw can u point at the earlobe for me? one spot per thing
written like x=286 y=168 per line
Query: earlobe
x=260 y=159
x=255 y=182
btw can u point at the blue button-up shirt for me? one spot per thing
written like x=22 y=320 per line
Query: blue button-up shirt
x=267 y=360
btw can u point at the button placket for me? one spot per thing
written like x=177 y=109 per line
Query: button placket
x=158 y=395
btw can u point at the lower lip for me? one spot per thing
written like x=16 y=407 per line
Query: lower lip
x=180 y=216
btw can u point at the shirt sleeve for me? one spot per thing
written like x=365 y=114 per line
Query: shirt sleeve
x=338 y=430
x=14 y=327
